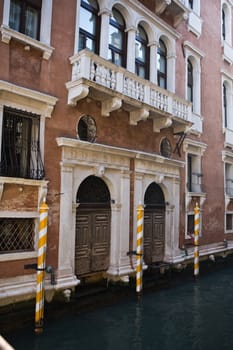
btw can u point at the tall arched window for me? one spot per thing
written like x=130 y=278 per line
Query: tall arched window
x=223 y=24
x=141 y=54
x=190 y=81
x=224 y=96
x=162 y=65
x=117 y=39
x=89 y=26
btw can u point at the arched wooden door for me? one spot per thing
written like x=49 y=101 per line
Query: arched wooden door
x=93 y=216
x=154 y=224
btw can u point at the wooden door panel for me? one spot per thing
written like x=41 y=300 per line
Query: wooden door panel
x=147 y=238
x=154 y=238
x=83 y=243
x=100 y=241
x=92 y=247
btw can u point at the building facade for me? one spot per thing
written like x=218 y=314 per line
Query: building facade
x=106 y=104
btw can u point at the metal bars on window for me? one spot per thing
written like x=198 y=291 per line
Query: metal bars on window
x=20 y=155
x=16 y=235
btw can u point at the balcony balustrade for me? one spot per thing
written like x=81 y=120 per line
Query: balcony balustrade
x=118 y=88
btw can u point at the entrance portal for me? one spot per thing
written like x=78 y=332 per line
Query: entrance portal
x=93 y=218
x=154 y=224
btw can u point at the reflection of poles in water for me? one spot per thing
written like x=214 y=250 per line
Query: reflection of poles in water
x=138 y=326
x=196 y=239
x=196 y=317
x=139 y=249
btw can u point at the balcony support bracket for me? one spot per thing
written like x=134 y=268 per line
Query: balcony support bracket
x=136 y=116
x=110 y=105
x=161 y=123
x=76 y=92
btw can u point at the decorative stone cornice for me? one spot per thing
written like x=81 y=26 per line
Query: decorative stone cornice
x=27 y=99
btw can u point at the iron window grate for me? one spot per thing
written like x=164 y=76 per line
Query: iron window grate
x=16 y=235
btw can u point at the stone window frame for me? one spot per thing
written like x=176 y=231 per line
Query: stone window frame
x=35 y=102
x=227 y=81
x=44 y=43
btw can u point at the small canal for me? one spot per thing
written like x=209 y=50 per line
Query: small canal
x=194 y=315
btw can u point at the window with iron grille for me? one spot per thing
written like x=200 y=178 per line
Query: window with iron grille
x=20 y=151
x=25 y=17
x=16 y=235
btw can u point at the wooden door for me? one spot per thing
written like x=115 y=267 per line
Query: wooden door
x=92 y=247
x=154 y=235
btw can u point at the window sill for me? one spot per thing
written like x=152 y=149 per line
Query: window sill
x=227 y=52
x=195 y=24
x=17 y=256
x=8 y=34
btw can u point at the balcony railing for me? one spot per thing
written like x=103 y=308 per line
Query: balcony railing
x=92 y=74
x=195 y=185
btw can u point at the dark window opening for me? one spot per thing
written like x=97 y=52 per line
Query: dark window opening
x=20 y=153
x=223 y=25
x=16 y=235
x=89 y=27
x=25 y=17
x=229 y=222
x=190 y=225
x=191 y=4
x=225 y=105
x=162 y=65
x=190 y=81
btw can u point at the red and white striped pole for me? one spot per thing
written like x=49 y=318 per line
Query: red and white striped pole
x=41 y=265
x=196 y=239
x=139 y=249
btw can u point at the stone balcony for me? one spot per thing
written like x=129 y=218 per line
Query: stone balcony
x=116 y=88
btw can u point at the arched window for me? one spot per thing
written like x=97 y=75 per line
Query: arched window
x=141 y=54
x=162 y=65
x=190 y=81
x=224 y=96
x=89 y=26
x=117 y=39
x=223 y=24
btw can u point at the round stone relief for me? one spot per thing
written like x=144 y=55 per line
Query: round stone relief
x=87 y=128
x=165 y=148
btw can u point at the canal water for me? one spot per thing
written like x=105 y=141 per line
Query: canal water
x=195 y=315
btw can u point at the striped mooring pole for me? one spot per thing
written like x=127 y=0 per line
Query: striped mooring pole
x=139 y=250
x=41 y=266
x=196 y=239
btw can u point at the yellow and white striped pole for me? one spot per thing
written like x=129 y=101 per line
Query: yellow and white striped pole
x=139 y=249
x=196 y=239
x=41 y=265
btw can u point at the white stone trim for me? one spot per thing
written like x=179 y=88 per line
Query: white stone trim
x=45 y=29
x=32 y=101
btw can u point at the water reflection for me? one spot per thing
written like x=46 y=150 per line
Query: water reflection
x=195 y=316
